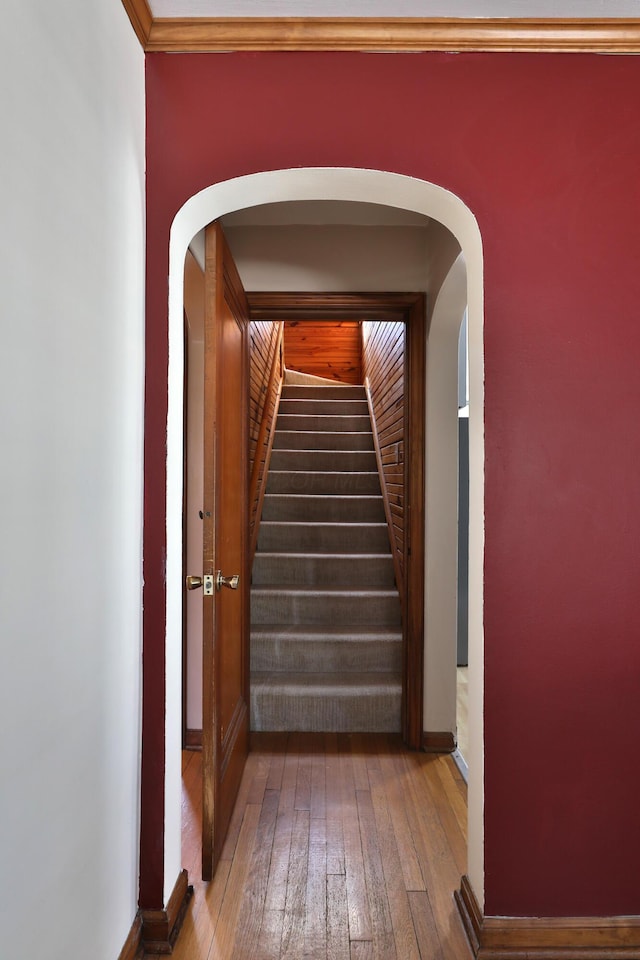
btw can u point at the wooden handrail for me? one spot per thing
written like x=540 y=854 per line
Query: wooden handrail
x=267 y=420
x=397 y=567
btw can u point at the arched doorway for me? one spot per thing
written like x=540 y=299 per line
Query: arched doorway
x=350 y=185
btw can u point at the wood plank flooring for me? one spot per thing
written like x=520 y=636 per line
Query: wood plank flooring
x=341 y=847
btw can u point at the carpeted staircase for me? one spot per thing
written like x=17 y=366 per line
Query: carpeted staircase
x=326 y=636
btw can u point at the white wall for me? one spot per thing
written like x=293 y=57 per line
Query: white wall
x=71 y=386
x=441 y=554
x=334 y=258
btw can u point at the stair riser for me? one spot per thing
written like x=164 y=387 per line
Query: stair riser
x=304 y=656
x=323 y=482
x=291 y=607
x=296 y=570
x=309 y=440
x=329 y=713
x=323 y=537
x=330 y=408
x=323 y=424
x=324 y=509
x=319 y=392
x=323 y=460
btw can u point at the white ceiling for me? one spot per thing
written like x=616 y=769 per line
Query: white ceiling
x=396 y=8
x=323 y=213
x=328 y=245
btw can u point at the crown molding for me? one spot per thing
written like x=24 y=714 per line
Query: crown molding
x=141 y=18
x=389 y=34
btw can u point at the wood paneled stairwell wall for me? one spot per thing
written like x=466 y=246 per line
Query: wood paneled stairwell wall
x=383 y=362
x=325 y=348
x=266 y=370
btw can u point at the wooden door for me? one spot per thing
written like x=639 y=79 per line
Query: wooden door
x=225 y=720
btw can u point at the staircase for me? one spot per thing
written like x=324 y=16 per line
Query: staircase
x=326 y=637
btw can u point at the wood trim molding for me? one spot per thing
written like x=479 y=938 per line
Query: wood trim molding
x=160 y=928
x=410 y=309
x=330 y=306
x=132 y=949
x=267 y=462
x=384 y=34
x=438 y=742
x=546 y=938
x=141 y=18
x=264 y=443
x=470 y=914
x=192 y=739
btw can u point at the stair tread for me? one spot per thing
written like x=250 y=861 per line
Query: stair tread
x=335 y=681
x=327 y=555
x=288 y=397
x=329 y=473
x=329 y=590
x=346 y=457
x=325 y=496
x=326 y=433
x=284 y=419
x=328 y=448
x=323 y=423
x=331 y=483
x=291 y=389
x=326 y=475
x=336 y=403
x=307 y=450
x=323 y=523
x=314 y=631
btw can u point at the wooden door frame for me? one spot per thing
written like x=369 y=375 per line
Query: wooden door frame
x=410 y=309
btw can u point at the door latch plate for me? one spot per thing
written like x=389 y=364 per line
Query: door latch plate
x=207 y=585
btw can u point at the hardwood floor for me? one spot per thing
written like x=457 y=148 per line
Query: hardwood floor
x=341 y=847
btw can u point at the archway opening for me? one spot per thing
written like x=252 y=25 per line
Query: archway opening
x=393 y=190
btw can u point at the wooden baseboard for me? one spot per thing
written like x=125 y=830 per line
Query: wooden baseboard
x=132 y=949
x=546 y=938
x=160 y=928
x=192 y=739
x=436 y=742
x=470 y=914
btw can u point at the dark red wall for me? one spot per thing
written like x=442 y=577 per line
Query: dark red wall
x=545 y=150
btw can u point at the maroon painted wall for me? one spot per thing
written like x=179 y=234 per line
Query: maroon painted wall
x=545 y=150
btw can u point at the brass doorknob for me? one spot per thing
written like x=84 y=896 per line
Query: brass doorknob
x=230 y=582
x=193 y=583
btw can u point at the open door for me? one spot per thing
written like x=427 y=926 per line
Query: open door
x=225 y=713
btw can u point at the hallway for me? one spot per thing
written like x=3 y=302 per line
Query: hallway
x=341 y=846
